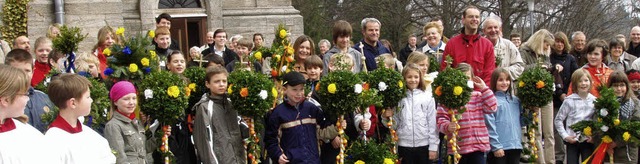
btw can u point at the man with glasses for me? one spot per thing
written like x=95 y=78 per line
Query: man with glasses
x=219 y=47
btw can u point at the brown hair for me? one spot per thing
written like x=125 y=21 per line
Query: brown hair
x=494 y=78
x=561 y=37
x=13 y=81
x=595 y=43
x=67 y=86
x=162 y=31
x=212 y=57
x=18 y=55
x=212 y=71
x=414 y=67
x=464 y=11
x=244 y=42
x=576 y=76
x=102 y=36
x=313 y=61
x=621 y=77
x=299 y=41
x=464 y=67
x=341 y=28
x=219 y=31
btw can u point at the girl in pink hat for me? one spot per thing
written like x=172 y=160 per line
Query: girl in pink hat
x=123 y=131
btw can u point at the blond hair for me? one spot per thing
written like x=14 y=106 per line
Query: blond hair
x=13 y=82
x=83 y=61
x=387 y=58
x=415 y=57
x=537 y=40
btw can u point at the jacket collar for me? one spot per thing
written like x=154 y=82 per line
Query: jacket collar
x=61 y=123
x=8 y=125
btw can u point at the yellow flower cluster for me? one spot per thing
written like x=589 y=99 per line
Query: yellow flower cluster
x=274 y=92
x=229 y=90
x=257 y=55
x=457 y=90
x=153 y=54
x=133 y=67
x=626 y=136
x=607 y=139
x=152 y=34
x=332 y=88
x=106 y=52
x=400 y=84
x=587 y=131
x=120 y=31
x=282 y=33
x=388 y=161
x=359 y=162
x=521 y=84
x=173 y=91
x=616 y=122
x=144 y=62
x=192 y=86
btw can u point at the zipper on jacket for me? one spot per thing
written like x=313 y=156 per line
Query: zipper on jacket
x=413 y=122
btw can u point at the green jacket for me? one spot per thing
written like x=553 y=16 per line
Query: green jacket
x=126 y=137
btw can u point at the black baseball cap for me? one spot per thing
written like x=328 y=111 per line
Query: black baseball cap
x=293 y=78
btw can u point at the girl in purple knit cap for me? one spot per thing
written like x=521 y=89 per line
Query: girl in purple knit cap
x=123 y=131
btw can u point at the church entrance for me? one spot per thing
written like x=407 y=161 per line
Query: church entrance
x=189 y=32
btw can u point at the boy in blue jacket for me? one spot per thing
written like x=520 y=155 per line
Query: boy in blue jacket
x=291 y=127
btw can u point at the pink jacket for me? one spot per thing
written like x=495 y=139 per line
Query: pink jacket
x=473 y=134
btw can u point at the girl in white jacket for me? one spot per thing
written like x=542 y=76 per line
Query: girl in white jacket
x=416 y=121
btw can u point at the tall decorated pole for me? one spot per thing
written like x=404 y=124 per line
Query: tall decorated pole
x=535 y=90
x=453 y=94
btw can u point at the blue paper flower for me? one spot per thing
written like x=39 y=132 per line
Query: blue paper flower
x=147 y=69
x=108 y=71
x=126 y=50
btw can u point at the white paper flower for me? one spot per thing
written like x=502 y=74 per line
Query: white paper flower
x=263 y=94
x=604 y=128
x=358 y=88
x=382 y=86
x=284 y=69
x=470 y=84
x=603 y=112
x=47 y=81
x=148 y=94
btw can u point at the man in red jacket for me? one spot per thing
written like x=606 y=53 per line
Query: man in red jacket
x=469 y=47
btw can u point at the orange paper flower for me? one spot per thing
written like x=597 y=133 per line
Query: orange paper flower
x=244 y=92
x=365 y=86
x=317 y=86
x=439 y=91
x=540 y=84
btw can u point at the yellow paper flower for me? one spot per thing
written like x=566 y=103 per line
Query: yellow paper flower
x=277 y=58
x=106 y=52
x=152 y=34
x=229 y=90
x=120 y=31
x=607 y=139
x=153 y=54
x=331 y=88
x=290 y=50
x=274 y=92
x=400 y=84
x=192 y=86
x=457 y=90
x=144 y=62
x=173 y=91
x=359 y=162
x=587 y=131
x=282 y=34
x=540 y=84
x=616 y=122
x=257 y=55
x=133 y=67
x=388 y=161
x=521 y=84
x=626 y=136
x=599 y=119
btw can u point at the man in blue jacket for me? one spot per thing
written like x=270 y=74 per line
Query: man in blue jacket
x=370 y=44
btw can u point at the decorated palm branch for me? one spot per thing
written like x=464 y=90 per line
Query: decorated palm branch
x=67 y=43
x=361 y=152
x=133 y=59
x=163 y=96
x=251 y=95
x=453 y=94
x=535 y=90
x=607 y=124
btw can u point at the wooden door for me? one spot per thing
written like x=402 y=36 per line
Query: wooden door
x=188 y=32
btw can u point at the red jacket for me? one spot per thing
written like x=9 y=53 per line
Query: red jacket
x=40 y=71
x=103 y=61
x=474 y=50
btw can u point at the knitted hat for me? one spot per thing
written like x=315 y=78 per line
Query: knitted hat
x=120 y=89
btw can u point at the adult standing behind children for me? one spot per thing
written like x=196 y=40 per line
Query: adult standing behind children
x=124 y=132
x=74 y=142
x=216 y=133
x=219 y=46
x=469 y=47
x=19 y=142
x=372 y=48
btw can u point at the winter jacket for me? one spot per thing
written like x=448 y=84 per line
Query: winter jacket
x=37 y=105
x=404 y=53
x=416 y=121
x=573 y=110
x=581 y=56
x=355 y=55
x=504 y=125
x=40 y=71
x=635 y=51
x=625 y=152
x=599 y=76
x=371 y=52
x=531 y=59
x=473 y=133
x=217 y=133
x=623 y=64
x=474 y=50
x=569 y=65
x=126 y=137
x=228 y=55
x=291 y=130
x=508 y=57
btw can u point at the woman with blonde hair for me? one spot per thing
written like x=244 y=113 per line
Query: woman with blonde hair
x=535 y=52
x=106 y=38
x=435 y=46
x=53 y=31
